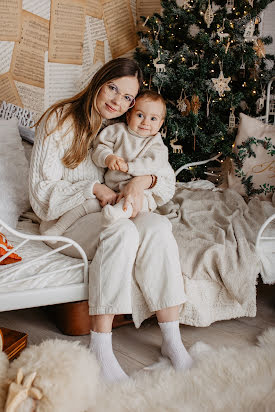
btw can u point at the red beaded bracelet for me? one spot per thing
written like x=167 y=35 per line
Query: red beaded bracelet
x=154 y=181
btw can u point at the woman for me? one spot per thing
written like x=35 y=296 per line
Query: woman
x=137 y=257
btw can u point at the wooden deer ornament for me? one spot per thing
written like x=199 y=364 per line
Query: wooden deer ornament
x=177 y=148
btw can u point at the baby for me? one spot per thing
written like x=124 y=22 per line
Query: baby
x=128 y=150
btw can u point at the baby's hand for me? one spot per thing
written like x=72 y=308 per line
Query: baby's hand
x=112 y=162
x=123 y=166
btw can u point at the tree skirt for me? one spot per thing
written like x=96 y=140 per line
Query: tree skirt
x=228 y=379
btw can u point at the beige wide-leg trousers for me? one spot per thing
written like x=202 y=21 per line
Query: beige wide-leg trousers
x=143 y=249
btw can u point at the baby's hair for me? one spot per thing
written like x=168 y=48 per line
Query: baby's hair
x=153 y=95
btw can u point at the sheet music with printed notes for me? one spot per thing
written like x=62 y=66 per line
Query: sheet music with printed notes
x=120 y=27
x=67 y=26
x=27 y=65
x=10 y=20
x=8 y=91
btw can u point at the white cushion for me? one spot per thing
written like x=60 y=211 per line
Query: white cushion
x=261 y=167
x=14 y=195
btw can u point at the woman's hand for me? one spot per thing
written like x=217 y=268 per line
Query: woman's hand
x=104 y=194
x=133 y=193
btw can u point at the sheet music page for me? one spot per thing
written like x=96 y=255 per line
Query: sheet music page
x=8 y=91
x=147 y=8
x=88 y=48
x=6 y=49
x=67 y=26
x=99 y=54
x=27 y=65
x=10 y=20
x=97 y=31
x=32 y=98
x=40 y=7
x=60 y=81
x=94 y=8
x=120 y=27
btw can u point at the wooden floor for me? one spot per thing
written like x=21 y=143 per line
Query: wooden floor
x=136 y=348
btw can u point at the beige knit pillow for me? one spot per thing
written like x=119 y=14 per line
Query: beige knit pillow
x=253 y=168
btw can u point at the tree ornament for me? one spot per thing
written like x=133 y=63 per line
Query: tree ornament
x=227 y=46
x=163 y=132
x=177 y=148
x=259 y=48
x=242 y=69
x=232 y=120
x=229 y=5
x=184 y=3
x=257 y=21
x=187 y=110
x=160 y=67
x=221 y=84
x=182 y=106
x=208 y=99
x=193 y=30
x=249 y=31
x=209 y=15
x=221 y=33
x=194 y=132
x=260 y=102
x=195 y=104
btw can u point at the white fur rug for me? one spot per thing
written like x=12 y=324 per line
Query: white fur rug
x=224 y=380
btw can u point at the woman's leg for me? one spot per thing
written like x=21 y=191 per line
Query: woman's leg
x=113 y=252
x=158 y=274
x=172 y=346
x=110 y=278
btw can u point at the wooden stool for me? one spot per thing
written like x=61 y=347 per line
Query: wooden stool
x=73 y=318
x=13 y=342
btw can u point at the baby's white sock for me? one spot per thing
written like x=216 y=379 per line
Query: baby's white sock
x=111 y=214
x=172 y=346
x=101 y=346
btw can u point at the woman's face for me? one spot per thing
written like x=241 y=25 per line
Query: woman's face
x=116 y=96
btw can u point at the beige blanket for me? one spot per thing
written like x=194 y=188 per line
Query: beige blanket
x=216 y=233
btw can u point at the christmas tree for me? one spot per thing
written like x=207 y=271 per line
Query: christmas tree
x=210 y=64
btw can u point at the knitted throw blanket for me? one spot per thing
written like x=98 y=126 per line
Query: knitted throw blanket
x=216 y=233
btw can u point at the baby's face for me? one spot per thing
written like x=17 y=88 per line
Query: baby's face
x=146 y=117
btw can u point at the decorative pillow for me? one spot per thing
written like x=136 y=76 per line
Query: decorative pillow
x=5 y=247
x=253 y=168
x=14 y=170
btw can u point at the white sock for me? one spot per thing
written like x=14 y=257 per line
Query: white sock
x=172 y=346
x=101 y=346
x=111 y=214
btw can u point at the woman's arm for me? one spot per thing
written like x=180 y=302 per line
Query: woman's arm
x=51 y=194
x=162 y=186
x=133 y=192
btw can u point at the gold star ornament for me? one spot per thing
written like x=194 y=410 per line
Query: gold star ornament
x=221 y=84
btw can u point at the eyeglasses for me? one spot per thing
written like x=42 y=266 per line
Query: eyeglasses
x=112 y=91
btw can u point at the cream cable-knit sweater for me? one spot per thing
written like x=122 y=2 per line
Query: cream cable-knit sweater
x=56 y=189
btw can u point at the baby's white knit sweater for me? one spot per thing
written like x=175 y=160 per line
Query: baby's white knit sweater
x=144 y=155
x=56 y=189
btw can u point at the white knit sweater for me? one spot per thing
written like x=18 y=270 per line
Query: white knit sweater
x=144 y=155
x=56 y=189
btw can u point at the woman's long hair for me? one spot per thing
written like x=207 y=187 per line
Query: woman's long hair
x=81 y=109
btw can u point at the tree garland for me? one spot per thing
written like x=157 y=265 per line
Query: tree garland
x=245 y=151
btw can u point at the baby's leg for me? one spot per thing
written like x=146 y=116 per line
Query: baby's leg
x=65 y=221
x=111 y=214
